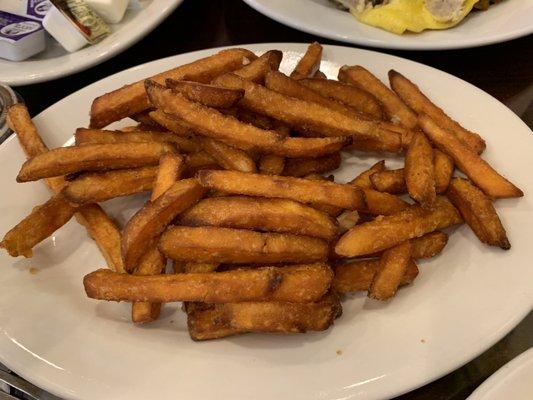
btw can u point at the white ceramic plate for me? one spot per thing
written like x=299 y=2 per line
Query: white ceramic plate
x=506 y=21
x=462 y=302
x=55 y=62
x=513 y=381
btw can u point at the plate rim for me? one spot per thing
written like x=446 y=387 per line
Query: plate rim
x=284 y=19
x=498 y=335
x=111 y=50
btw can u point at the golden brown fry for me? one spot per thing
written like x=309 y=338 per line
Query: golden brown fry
x=299 y=167
x=143 y=229
x=302 y=283
x=429 y=245
x=98 y=187
x=213 y=287
x=42 y=222
x=358 y=275
x=271 y=165
x=257 y=69
x=309 y=64
x=385 y=232
x=197 y=161
x=352 y=96
x=153 y=262
x=389 y=181
x=415 y=99
x=478 y=212
x=131 y=99
x=95 y=157
x=173 y=124
x=96 y=136
x=228 y=157
x=443 y=165
x=378 y=203
x=238 y=246
x=199 y=268
x=363 y=179
x=299 y=113
x=255 y=213
x=298 y=189
x=386 y=143
x=99 y=225
x=347 y=220
x=214 y=321
x=419 y=171
x=211 y=123
x=389 y=275
x=393 y=105
x=206 y=94
x=477 y=169
x=145 y=121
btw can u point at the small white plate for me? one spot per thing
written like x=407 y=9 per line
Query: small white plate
x=462 y=302
x=513 y=381
x=505 y=21
x=56 y=62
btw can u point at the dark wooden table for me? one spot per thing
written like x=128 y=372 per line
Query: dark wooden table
x=503 y=70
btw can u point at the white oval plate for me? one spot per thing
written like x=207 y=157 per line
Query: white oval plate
x=513 y=381
x=55 y=62
x=505 y=21
x=461 y=304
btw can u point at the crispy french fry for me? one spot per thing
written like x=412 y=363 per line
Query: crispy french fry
x=153 y=262
x=309 y=64
x=257 y=69
x=419 y=171
x=385 y=232
x=96 y=136
x=270 y=164
x=170 y=122
x=299 y=167
x=389 y=275
x=199 y=268
x=145 y=121
x=429 y=245
x=211 y=123
x=269 y=215
x=238 y=246
x=378 y=203
x=42 y=222
x=131 y=99
x=358 y=275
x=363 y=179
x=478 y=212
x=302 y=283
x=332 y=211
x=347 y=220
x=443 y=165
x=98 y=187
x=386 y=143
x=415 y=99
x=393 y=105
x=389 y=181
x=477 y=169
x=298 y=189
x=228 y=157
x=197 y=161
x=100 y=227
x=352 y=96
x=213 y=287
x=143 y=229
x=206 y=94
x=299 y=113
x=215 y=321
x=95 y=157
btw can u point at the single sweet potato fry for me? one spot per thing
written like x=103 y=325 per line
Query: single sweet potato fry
x=363 y=179
x=477 y=169
x=309 y=64
x=478 y=212
x=299 y=167
x=419 y=171
x=228 y=157
x=444 y=166
x=206 y=94
x=257 y=69
x=381 y=203
x=389 y=275
x=389 y=181
x=388 y=231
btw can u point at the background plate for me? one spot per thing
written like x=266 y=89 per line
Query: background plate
x=462 y=302
x=506 y=21
x=55 y=62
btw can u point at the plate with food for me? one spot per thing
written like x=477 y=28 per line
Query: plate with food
x=405 y=24
x=41 y=40
x=512 y=381
x=272 y=220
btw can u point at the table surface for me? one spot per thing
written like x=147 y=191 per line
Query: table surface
x=504 y=70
